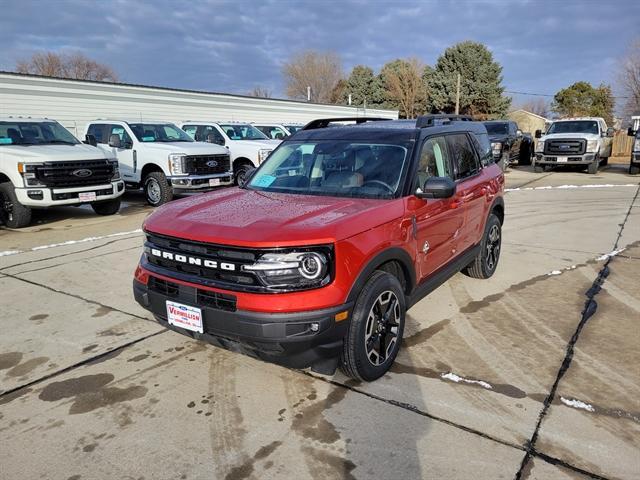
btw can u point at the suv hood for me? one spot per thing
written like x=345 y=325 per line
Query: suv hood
x=45 y=153
x=586 y=136
x=189 y=148
x=259 y=219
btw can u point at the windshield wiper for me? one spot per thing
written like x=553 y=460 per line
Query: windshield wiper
x=61 y=142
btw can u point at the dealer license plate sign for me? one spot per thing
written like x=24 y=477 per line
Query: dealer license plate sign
x=184 y=316
x=562 y=160
x=87 y=196
x=214 y=182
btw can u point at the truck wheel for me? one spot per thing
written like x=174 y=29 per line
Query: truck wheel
x=525 y=155
x=108 y=207
x=504 y=161
x=375 y=331
x=604 y=161
x=593 y=167
x=157 y=189
x=538 y=168
x=634 y=169
x=241 y=174
x=12 y=213
x=486 y=262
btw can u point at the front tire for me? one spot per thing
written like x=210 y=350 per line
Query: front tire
x=375 y=332
x=12 y=213
x=486 y=262
x=634 y=169
x=157 y=189
x=525 y=154
x=109 y=207
x=538 y=168
x=241 y=174
x=593 y=167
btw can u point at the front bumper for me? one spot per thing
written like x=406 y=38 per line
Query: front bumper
x=297 y=340
x=191 y=183
x=547 y=159
x=50 y=197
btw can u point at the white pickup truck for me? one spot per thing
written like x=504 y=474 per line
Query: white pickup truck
x=248 y=146
x=160 y=158
x=43 y=165
x=582 y=141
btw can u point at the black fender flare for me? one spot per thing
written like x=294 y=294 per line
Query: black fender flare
x=497 y=202
x=390 y=254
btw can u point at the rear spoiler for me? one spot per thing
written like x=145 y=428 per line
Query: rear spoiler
x=325 y=122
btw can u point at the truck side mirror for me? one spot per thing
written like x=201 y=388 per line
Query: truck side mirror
x=538 y=133
x=437 y=187
x=211 y=138
x=518 y=133
x=610 y=132
x=114 y=141
x=90 y=140
x=631 y=132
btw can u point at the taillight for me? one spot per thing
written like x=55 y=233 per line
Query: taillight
x=141 y=275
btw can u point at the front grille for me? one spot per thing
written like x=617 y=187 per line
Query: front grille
x=168 y=289
x=74 y=173
x=565 y=147
x=68 y=195
x=216 y=300
x=197 y=164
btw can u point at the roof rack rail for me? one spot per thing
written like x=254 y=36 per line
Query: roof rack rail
x=430 y=120
x=324 y=122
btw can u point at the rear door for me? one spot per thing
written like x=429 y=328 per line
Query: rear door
x=436 y=222
x=470 y=189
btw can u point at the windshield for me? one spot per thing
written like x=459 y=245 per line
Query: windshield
x=497 y=128
x=159 y=132
x=334 y=168
x=273 y=132
x=581 y=126
x=237 y=131
x=293 y=128
x=35 y=133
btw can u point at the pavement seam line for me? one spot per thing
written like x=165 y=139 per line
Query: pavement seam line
x=81 y=363
x=590 y=308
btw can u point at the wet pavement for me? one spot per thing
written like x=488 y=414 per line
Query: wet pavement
x=533 y=374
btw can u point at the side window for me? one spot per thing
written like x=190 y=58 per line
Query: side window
x=121 y=132
x=482 y=144
x=434 y=160
x=190 y=130
x=206 y=130
x=97 y=130
x=464 y=158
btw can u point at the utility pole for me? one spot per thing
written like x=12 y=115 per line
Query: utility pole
x=458 y=96
x=308 y=94
x=349 y=99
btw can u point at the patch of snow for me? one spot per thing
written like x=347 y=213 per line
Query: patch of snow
x=613 y=253
x=456 y=378
x=572 y=402
x=567 y=187
x=554 y=272
x=9 y=252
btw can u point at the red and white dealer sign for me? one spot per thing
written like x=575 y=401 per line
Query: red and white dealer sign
x=184 y=316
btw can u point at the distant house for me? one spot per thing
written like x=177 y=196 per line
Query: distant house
x=528 y=122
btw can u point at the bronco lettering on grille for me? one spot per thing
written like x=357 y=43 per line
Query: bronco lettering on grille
x=176 y=257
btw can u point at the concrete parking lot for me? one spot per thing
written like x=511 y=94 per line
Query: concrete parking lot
x=533 y=374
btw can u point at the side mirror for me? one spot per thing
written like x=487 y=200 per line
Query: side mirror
x=437 y=187
x=631 y=132
x=538 y=134
x=90 y=140
x=518 y=133
x=211 y=138
x=114 y=141
x=610 y=132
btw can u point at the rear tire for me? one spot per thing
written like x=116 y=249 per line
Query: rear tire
x=12 y=213
x=375 y=332
x=157 y=189
x=593 y=167
x=109 y=207
x=486 y=262
x=634 y=169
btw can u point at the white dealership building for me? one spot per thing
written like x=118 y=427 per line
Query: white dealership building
x=75 y=102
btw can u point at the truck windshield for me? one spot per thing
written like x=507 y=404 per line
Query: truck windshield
x=159 y=132
x=35 y=133
x=581 y=126
x=237 y=131
x=497 y=128
x=334 y=168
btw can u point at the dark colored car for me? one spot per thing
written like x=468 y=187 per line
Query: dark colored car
x=316 y=259
x=508 y=143
x=634 y=164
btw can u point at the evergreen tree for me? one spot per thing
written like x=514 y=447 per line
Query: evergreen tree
x=583 y=100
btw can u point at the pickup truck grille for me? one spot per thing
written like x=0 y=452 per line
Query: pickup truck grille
x=565 y=147
x=80 y=173
x=207 y=164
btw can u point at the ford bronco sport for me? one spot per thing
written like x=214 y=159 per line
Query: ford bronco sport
x=315 y=260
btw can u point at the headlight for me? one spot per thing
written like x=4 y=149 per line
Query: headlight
x=28 y=171
x=176 y=164
x=592 y=146
x=636 y=145
x=292 y=270
x=116 y=171
x=496 y=148
x=540 y=146
x=263 y=154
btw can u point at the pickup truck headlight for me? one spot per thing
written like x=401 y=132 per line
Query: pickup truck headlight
x=496 y=148
x=116 y=171
x=293 y=270
x=540 y=146
x=592 y=146
x=28 y=171
x=176 y=164
x=263 y=154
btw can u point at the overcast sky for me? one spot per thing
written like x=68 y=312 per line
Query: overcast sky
x=232 y=46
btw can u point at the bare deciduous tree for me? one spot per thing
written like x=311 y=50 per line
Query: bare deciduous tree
x=260 y=92
x=629 y=78
x=405 y=86
x=539 y=106
x=61 y=65
x=319 y=70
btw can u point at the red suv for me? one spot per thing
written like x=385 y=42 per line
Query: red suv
x=316 y=259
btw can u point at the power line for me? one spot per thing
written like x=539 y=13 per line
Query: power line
x=547 y=94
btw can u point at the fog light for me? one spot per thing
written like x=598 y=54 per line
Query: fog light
x=35 y=194
x=315 y=327
x=120 y=187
